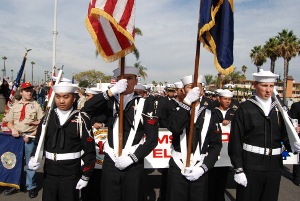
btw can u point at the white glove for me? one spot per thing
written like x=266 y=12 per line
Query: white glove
x=194 y=173
x=33 y=164
x=119 y=87
x=296 y=147
x=81 y=184
x=192 y=96
x=123 y=162
x=241 y=179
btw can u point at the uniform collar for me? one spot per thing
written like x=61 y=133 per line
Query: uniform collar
x=22 y=102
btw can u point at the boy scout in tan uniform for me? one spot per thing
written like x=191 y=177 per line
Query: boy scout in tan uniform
x=21 y=119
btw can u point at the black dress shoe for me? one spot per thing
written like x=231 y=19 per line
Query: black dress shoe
x=33 y=193
x=11 y=191
x=297 y=183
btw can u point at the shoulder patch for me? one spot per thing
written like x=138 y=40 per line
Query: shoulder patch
x=32 y=107
x=205 y=103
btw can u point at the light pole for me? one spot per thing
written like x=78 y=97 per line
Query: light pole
x=32 y=63
x=12 y=75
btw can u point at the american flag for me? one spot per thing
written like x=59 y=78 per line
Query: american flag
x=111 y=25
x=113 y=80
x=14 y=88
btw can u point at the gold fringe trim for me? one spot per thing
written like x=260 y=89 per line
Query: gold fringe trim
x=9 y=185
x=212 y=23
x=212 y=48
x=95 y=12
x=231 y=4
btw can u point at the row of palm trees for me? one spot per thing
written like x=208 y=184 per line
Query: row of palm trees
x=4 y=69
x=12 y=71
x=285 y=45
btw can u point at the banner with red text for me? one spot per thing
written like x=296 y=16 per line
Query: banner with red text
x=160 y=156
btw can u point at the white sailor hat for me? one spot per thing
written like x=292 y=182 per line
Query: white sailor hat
x=225 y=93
x=127 y=70
x=178 y=85
x=264 y=76
x=92 y=91
x=190 y=79
x=229 y=86
x=139 y=86
x=61 y=79
x=148 y=88
x=217 y=91
x=64 y=87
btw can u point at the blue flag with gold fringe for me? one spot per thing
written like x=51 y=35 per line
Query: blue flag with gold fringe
x=11 y=153
x=216 y=32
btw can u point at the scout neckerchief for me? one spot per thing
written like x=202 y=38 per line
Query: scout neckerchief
x=22 y=116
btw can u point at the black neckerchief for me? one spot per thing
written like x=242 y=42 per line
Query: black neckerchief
x=61 y=128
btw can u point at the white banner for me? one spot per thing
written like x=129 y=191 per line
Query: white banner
x=160 y=156
x=224 y=159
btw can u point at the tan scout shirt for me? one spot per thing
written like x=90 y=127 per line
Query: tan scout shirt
x=80 y=103
x=33 y=112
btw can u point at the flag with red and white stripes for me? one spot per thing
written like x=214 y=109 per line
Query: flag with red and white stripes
x=111 y=25
x=12 y=93
x=113 y=80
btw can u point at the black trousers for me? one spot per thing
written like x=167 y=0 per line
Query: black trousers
x=122 y=185
x=262 y=186
x=92 y=192
x=217 y=179
x=60 y=188
x=181 y=189
x=296 y=173
x=164 y=183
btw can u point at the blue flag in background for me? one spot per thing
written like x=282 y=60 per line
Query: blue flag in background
x=216 y=32
x=11 y=153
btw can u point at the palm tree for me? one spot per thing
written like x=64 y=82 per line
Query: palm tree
x=12 y=75
x=289 y=46
x=258 y=57
x=154 y=84
x=244 y=69
x=232 y=77
x=209 y=79
x=4 y=72
x=216 y=81
x=271 y=50
x=160 y=84
x=32 y=63
x=136 y=52
x=142 y=70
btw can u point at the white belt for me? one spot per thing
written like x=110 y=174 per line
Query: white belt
x=111 y=152
x=261 y=150
x=177 y=156
x=61 y=157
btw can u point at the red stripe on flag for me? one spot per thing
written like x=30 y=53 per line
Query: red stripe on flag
x=126 y=14
x=110 y=6
x=103 y=41
x=123 y=40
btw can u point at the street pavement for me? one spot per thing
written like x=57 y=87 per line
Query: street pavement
x=288 y=190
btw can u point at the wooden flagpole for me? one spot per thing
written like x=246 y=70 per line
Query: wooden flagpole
x=189 y=151
x=121 y=110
